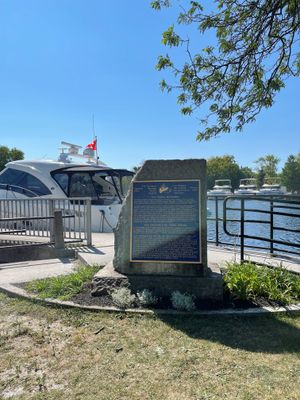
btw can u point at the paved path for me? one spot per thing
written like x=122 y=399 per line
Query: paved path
x=102 y=253
x=29 y=270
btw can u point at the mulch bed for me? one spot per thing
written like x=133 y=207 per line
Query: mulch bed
x=85 y=298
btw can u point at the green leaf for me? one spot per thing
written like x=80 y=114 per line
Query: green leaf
x=186 y=110
x=163 y=63
x=170 y=38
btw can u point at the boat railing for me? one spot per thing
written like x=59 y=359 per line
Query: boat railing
x=33 y=220
x=18 y=189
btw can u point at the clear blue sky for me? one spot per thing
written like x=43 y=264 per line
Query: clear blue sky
x=63 y=60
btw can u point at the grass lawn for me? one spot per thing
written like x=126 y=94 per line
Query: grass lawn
x=63 y=287
x=52 y=353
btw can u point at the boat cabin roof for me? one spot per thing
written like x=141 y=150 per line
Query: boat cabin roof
x=48 y=166
x=88 y=168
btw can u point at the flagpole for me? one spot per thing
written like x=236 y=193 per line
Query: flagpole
x=97 y=160
x=95 y=138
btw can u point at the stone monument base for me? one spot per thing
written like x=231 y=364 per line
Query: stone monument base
x=209 y=287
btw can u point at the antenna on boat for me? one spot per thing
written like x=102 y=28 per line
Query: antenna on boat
x=68 y=149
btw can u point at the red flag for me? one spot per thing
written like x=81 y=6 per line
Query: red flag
x=92 y=145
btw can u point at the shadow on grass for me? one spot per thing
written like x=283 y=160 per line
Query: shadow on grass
x=265 y=334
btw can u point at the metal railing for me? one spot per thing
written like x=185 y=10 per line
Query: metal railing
x=265 y=223
x=278 y=216
x=34 y=218
x=215 y=216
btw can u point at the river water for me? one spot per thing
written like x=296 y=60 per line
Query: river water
x=259 y=229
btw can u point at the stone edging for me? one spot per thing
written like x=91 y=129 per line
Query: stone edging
x=15 y=291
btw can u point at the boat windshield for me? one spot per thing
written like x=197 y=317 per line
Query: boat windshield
x=248 y=182
x=102 y=187
x=223 y=183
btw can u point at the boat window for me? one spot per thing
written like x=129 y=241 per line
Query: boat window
x=81 y=185
x=24 y=181
x=11 y=176
x=121 y=180
x=104 y=186
x=63 y=180
x=33 y=184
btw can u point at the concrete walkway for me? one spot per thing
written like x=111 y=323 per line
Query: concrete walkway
x=102 y=253
x=30 y=270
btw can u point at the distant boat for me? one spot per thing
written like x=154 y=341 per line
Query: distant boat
x=248 y=186
x=272 y=187
x=222 y=187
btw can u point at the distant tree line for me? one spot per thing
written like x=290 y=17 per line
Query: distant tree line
x=7 y=155
x=226 y=167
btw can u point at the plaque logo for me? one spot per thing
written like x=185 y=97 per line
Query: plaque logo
x=163 y=188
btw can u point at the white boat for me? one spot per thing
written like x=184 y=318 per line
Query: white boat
x=222 y=187
x=248 y=186
x=272 y=187
x=64 y=179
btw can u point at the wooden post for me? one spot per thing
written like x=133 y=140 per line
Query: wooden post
x=58 y=230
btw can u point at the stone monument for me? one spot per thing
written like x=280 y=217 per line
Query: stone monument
x=161 y=238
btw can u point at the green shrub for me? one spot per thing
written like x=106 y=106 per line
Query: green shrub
x=63 y=287
x=249 y=281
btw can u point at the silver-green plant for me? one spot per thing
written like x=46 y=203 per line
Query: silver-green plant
x=182 y=301
x=147 y=298
x=123 y=298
